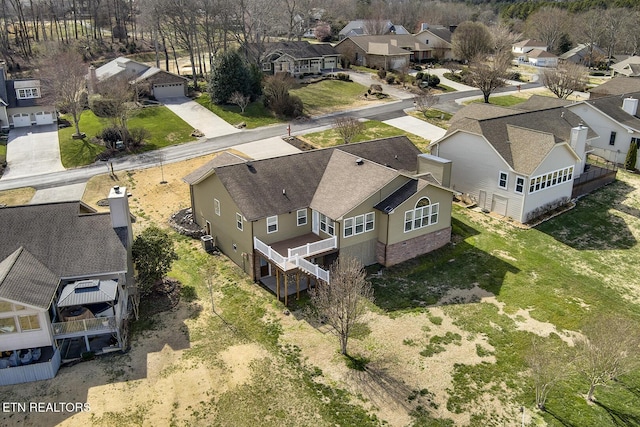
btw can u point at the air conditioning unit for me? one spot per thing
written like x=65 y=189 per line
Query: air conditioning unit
x=208 y=243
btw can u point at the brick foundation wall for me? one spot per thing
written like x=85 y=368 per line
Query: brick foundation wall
x=403 y=251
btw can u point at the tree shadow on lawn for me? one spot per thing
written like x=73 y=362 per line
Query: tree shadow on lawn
x=84 y=150
x=596 y=222
x=619 y=417
x=423 y=281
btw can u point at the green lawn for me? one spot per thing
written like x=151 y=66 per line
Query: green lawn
x=501 y=100
x=328 y=95
x=574 y=266
x=165 y=128
x=372 y=130
x=435 y=117
x=255 y=115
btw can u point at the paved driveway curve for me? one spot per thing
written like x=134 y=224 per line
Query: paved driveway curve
x=198 y=117
x=32 y=150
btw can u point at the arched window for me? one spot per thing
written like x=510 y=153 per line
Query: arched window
x=423 y=215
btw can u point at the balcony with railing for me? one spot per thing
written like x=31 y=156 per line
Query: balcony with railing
x=95 y=326
x=297 y=249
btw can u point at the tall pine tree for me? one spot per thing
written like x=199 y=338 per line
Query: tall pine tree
x=229 y=74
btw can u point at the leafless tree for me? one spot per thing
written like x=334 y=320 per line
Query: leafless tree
x=503 y=37
x=471 y=39
x=610 y=348
x=548 y=24
x=612 y=20
x=240 y=100
x=452 y=66
x=488 y=74
x=348 y=128
x=548 y=364
x=322 y=31
x=565 y=79
x=117 y=103
x=588 y=29
x=425 y=102
x=375 y=26
x=63 y=76
x=342 y=302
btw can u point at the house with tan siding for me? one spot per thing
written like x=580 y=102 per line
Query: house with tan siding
x=284 y=220
x=387 y=52
x=515 y=162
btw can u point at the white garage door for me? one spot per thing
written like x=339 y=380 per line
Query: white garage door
x=499 y=205
x=168 y=90
x=44 y=118
x=21 y=120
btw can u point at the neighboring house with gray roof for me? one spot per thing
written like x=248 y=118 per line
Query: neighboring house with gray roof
x=160 y=83
x=515 y=162
x=438 y=38
x=370 y=27
x=619 y=85
x=22 y=104
x=387 y=52
x=379 y=201
x=298 y=58
x=585 y=54
x=65 y=279
x=629 y=67
x=616 y=120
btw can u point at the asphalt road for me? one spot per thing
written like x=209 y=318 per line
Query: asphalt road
x=190 y=150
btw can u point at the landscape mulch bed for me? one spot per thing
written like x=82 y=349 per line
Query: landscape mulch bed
x=164 y=296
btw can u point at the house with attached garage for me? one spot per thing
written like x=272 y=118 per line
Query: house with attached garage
x=21 y=103
x=616 y=120
x=438 y=38
x=515 y=163
x=65 y=283
x=284 y=220
x=158 y=83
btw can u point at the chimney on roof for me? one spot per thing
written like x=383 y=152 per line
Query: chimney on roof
x=93 y=80
x=630 y=106
x=119 y=210
x=579 y=144
x=452 y=28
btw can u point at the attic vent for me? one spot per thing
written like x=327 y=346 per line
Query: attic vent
x=249 y=165
x=359 y=161
x=87 y=286
x=395 y=157
x=388 y=209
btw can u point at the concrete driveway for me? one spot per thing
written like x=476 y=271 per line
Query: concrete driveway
x=417 y=127
x=198 y=117
x=33 y=150
x=267 y=148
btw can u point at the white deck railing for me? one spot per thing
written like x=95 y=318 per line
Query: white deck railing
x=295 y=258
x=85 y=325
x=314 y=248
x=312 y=269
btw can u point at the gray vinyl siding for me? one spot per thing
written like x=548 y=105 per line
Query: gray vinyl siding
x=476 y=167
x=603 y=126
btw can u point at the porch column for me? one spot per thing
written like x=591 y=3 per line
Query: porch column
x=286 y=289
x=278 y=284
x=86 y=341
x=298 y=284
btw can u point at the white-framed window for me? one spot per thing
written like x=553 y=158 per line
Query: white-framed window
x=348 y=227
x=369 y=221
x=272 y=224
x=551 y=179
x=28 y=93
x=216 y=206
x=423 y=215
x=358 y=224
x=239 y=221
x=301 y=217
x=519 y=189
x=327 y=225
x=503 y=178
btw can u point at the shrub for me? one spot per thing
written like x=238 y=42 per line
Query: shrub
x=382 y=74
x=391 y=79
x=632 y=156
x=431 y=79
x=137 y=136
x=110 y=136
x=419 y=75
x=344 y=77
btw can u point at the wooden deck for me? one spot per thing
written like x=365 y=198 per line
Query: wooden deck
x=269 y=282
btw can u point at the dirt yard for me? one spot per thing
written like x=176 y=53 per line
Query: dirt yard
x=168 y=379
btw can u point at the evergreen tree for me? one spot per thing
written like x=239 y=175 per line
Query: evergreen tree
x=632 y=156
x=230 y=73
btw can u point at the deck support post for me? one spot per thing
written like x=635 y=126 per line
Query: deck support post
x=286 y=289
x=298 y=284
x=278 y=284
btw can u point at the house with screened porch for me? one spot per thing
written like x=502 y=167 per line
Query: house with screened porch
x=284 y=220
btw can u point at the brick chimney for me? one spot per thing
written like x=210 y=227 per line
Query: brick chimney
x=630 y=105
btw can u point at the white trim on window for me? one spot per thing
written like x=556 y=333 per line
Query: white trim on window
x=272 y=224
x=503 y=180
x=216 y=206
x=551 y=179
x=519 y=188
x=301 y=217
x=423 y=215
x=358 y=224
x=28 y=93
x=239 y=221
x=327 y=225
